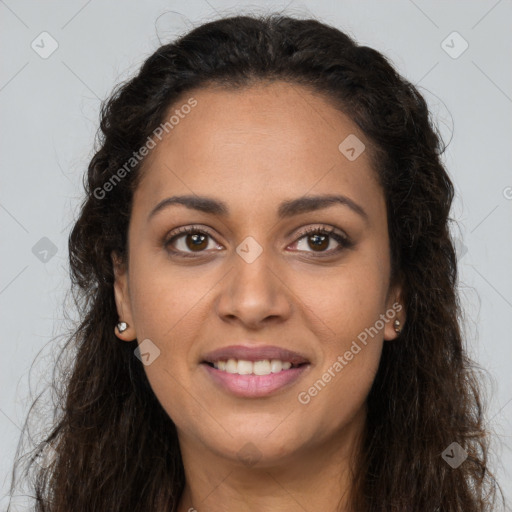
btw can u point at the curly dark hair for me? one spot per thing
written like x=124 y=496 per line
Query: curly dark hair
x=115 y=447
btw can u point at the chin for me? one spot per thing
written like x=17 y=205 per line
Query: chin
x=258 y=448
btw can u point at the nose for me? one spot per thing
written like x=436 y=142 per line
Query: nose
x=254 y=294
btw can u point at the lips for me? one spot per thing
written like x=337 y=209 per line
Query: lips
x=254 y=371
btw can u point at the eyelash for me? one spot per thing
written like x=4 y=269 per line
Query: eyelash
x=343 y=240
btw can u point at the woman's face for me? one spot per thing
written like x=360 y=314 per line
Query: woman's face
x=221 y=312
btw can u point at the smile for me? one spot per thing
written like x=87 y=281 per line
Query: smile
x=253 y=371
x=245 y=367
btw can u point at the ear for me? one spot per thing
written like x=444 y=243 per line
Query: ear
x=122 y=298
x=395 y=310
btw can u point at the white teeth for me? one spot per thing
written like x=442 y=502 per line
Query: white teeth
x=276 y=366
x=244 y=367
x=232 y=366
x=261 y=367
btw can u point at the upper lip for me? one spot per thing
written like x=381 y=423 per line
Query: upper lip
x=254 y=353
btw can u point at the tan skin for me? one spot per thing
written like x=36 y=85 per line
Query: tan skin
x=253 y=149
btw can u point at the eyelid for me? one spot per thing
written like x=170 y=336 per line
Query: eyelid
x=331 y=230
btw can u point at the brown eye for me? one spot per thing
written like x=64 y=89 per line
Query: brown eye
x=319 y=240
x=189 y=240
x=196 y=241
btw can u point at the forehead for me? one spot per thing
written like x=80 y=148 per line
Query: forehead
x=260 y=143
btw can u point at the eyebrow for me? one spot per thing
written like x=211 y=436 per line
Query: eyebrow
x=286 y=208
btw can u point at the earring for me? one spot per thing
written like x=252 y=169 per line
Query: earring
x=122 y=326
x=396 y=325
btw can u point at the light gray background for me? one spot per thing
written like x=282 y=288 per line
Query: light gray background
x=49 y=112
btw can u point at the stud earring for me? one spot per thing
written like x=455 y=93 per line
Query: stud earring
x=122 y=326
x=396 y=325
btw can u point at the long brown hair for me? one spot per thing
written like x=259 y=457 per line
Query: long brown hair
x=115 y=448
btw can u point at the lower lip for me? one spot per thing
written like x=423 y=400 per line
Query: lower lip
x=254 y=386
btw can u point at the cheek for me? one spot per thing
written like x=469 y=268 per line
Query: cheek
x=164 y=298
x=338 y=393
x=166 y=309
x=347 y=300
x=350 y=354
x=350 y=303
x=164 y=314
x=169 y=307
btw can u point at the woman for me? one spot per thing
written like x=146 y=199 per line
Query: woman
x=267 y=284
